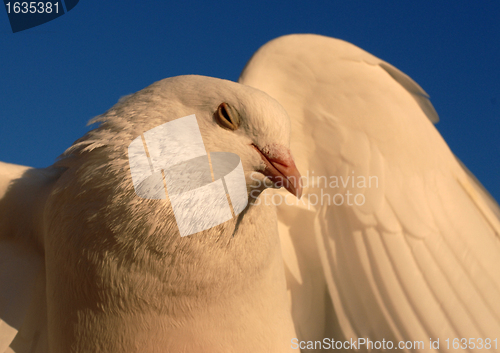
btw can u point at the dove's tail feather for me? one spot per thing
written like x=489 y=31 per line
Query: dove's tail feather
x=23 y=192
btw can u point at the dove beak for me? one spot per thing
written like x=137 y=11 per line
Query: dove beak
x=280 y=168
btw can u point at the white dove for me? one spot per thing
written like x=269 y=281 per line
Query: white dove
x=395 y=241
x=117 y=275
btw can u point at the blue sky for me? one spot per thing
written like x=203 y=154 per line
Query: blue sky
x=55 y=77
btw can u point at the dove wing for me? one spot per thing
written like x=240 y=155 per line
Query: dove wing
x=414 y=254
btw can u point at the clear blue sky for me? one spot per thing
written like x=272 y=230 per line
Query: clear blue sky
x=55 y=77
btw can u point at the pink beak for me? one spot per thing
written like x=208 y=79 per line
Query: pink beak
x=280 y=168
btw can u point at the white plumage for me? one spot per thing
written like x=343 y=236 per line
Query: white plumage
x=417 y=259
x=420 y=258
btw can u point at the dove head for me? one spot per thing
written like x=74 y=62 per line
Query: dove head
x=231 y=118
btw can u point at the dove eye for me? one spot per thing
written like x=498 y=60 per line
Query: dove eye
x=227 y=117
